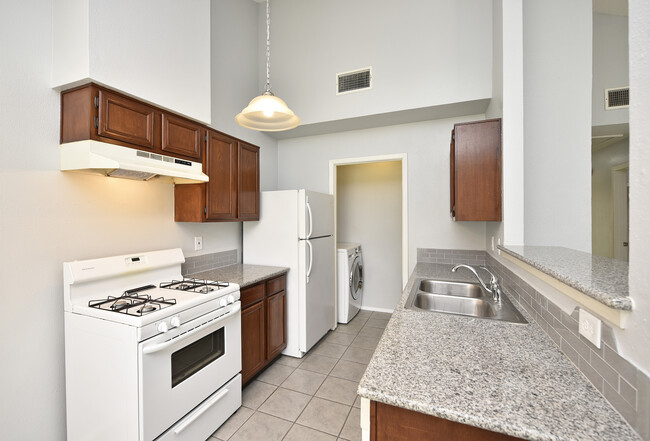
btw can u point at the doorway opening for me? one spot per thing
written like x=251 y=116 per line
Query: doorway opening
x=370 y=204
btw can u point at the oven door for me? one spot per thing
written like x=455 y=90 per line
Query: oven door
x=180 y=369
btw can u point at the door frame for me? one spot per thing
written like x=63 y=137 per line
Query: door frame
x=620 y=181
x=398 y=157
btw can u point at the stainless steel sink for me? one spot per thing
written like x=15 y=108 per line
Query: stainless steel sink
x=460 y=289
x=466 y=299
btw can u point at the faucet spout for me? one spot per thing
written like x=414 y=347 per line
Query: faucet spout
x=453 y=270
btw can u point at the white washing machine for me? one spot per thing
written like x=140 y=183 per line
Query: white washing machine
x=350 y=280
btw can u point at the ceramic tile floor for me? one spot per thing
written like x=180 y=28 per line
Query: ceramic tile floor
x=313 y=398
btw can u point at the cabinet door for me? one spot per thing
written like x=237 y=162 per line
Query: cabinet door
x=126 y=120
x=276 y=324
x=249 y=182
x=477 y=171
x=390 y=423
x=181 y=136
x=221 y=167
x=452 y=176
x=252 y=340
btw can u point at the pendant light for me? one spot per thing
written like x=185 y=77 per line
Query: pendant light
x=267 y=112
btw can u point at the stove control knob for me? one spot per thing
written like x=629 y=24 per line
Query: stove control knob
x=175 y=322
x=223 y=302
x=231 y=299
x=163 y=327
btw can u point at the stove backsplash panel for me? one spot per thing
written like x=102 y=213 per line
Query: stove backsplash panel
x=206 y=262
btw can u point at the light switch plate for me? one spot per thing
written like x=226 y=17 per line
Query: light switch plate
x=198 y=243
x=589 y=327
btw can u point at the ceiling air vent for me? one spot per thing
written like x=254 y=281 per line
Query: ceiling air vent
x=354 y=81
x=617 y=98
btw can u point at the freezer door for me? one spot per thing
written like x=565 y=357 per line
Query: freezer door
x=315 y=214
x=317 y=294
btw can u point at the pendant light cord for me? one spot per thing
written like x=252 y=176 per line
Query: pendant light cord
x=268 y=46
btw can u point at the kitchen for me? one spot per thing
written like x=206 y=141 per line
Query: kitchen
x=54 y=217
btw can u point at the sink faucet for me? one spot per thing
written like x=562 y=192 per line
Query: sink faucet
x=494 y=288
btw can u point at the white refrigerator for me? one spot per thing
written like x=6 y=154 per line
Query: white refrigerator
x=296 y=230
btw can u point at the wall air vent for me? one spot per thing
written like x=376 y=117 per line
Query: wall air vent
x=617 y=98
x=354 y=81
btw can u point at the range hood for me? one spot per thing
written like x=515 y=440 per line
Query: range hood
x=124 y=162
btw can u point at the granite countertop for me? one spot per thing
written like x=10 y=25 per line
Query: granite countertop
x=600 y=278
x=242 y=274
x=504 y=377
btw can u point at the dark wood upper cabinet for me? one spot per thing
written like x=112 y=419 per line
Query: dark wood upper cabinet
x=233 y=166
x=97 y=113
x=221 y=167
x=233 y=192
x=124 y=119
x=248 y=185
x=475 y=162
x=181 y=136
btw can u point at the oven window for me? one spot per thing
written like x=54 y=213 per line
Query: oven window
x=194 y=357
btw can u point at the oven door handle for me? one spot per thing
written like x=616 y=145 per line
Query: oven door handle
x=200 y=411
x=160 y=346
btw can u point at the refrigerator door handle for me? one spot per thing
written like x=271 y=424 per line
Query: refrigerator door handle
x=311 y=258
x=311 y=226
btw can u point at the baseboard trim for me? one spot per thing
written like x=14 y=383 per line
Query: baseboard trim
x=374 y=309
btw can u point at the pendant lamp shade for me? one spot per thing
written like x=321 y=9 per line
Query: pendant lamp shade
x=267 y=112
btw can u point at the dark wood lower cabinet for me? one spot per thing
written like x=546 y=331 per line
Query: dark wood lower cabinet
x=276 y=331
x=252 y=340
x=264 y=324
x=390 y=423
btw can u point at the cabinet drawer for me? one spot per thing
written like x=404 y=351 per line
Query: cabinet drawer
x=276 y=285
x=252 y=294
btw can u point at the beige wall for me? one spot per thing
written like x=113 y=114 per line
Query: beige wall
x=369 y=212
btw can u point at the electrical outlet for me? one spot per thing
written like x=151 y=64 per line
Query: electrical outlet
x=589 y=327
x=198 y=243
x=492 y=243
x=499 y=243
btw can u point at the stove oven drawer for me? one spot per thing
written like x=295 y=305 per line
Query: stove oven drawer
x=203 y=420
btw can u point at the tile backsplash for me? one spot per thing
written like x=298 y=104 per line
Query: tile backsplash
x=205 y=262
x=623 y=385
x=437 y=255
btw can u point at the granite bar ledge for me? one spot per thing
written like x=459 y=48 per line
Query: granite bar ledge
x=604 y=280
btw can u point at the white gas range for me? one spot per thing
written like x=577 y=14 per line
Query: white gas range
x=149 y=355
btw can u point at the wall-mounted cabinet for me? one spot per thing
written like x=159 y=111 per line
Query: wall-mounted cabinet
x=97 y=113
x=475 y=172
x=233 y=192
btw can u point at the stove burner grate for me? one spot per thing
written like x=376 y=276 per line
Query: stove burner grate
x=133 y=303
x=194 y=285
